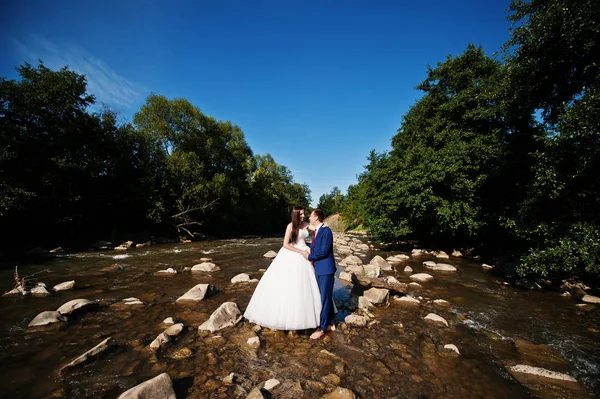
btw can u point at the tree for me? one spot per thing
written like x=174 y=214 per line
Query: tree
x=332 y=202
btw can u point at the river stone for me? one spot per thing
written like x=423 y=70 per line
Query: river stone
x=255 y=394
x=205 y=267
x=590 y=299
x=132 y=301
x=345 y=276
x=92 y=353
x=76 y=304
x=379 y=261
x=271 y=384
x=408 y=299
x=159 y=341
x=377 y=295
x=40 y=290
x=391 y=280
x=197 y=293
x=226 y=315
x=16 y=291
x=46 y=317
x=442 y=255
x=408 y=269
x=532 y=376
x=364 y=270
x=67 y=285
x=160 y=386
x=229 y=379
x=429 y=263
x=457 y=253
x=452 y=347
x=169 y=320
x=397 y=258
x=270 y=254
x=415 y=285
x=364 y=304
x=241 y=278
x=441 y=302
x=356 y=320
x=421 y=277
x=351 y=260
x=174 y=330
x=168 y=271
x=416 y=252
x=340 y=393
x=437 y=319
x=443 y=267
x=485 y=266
x=254 y=342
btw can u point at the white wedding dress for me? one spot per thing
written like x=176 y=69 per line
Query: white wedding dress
x=287 y=297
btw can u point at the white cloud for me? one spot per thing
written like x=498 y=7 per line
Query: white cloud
x=107 y=85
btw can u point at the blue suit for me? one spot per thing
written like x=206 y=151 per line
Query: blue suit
x=322 y=257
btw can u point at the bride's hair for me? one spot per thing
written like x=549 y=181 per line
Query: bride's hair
x=295 y=223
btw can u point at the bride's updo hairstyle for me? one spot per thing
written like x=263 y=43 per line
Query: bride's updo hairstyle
x=295 y=223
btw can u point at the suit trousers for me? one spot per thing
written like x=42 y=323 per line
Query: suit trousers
x=325 y=283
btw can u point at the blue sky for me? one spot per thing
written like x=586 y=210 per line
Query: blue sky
x=317 y=84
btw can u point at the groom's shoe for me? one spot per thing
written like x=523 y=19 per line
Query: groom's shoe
x=317 y=334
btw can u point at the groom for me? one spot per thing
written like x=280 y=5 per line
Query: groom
x=321 y=256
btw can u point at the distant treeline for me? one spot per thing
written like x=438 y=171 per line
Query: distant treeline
x=500 y=154
x=69 y=176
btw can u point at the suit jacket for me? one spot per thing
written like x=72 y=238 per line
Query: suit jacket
x=322 y=252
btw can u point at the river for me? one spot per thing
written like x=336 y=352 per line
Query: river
x=398 y=355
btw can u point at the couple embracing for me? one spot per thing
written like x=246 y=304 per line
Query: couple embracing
x=296 y=291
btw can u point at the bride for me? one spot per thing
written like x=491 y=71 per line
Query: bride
x=287 y=297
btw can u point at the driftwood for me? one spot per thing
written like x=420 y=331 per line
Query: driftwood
x=377 y=282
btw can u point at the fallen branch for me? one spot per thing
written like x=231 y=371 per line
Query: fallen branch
x=377 y=282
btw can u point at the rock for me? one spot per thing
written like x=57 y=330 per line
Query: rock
x=456 y=253
x=442 y=255
x=408 y=299
x=343 y=276
x=76 y=305
x=271 y=384
x=16 y=291
x=364 y=304
x=229 y=379
x=169 y=320
x=132 y=301
x=46 y=317
x=443 y=267
x=532 y=376
x=377 y=295
x=241 y=278
x=429 y=263
x=205 y=267
x=415 y=285
x=379 y=261
x=168 y=271
x=590 y=299
x=397 y=258
x=331 y=379
x=103 y=346
x=226 y=315
x=340 y=393
x=391 y=280
x=270 y=254
x=527 y=284
x=197 y=293
x=452 y=347
x=67 y=285
x=254 y=342
x=416 y=252
x=437 y=319
x=159 y=341
x=160 y=386
x=182 y=353
x=351 y=260
x=364 y=270
x=421 y=277
x=487 y=266
x=174 y=330
x=58 y=250
x=355 y=320
x=441 y=302
x=40 y=290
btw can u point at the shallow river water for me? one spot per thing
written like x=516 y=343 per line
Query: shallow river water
x=398 y=355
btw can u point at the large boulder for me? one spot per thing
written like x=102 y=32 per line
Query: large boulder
x=377 y=295
x=80 y=304
x=197 y=293
x=590 y=299
x=160 y=386
x=379 y=261
x=226 y=315
x=47 y=317
x=364 y=270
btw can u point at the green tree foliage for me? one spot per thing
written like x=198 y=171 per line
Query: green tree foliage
x=332 y=202
x=69 y=176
